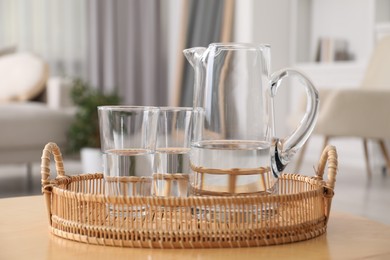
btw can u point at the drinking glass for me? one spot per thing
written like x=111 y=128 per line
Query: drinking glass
x=128 y=140
x=172 y=164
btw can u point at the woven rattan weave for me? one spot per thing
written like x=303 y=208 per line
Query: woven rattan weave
x=79 y=210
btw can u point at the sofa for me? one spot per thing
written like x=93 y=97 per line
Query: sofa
x=34 y=109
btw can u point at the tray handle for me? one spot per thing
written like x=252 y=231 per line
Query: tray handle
x=328 y=157
x=46 y=182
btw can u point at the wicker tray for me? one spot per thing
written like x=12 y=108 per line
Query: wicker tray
x=79 y=210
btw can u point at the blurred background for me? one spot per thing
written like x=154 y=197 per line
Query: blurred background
x=132 y=50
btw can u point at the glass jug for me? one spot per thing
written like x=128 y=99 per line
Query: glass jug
x=234 y=149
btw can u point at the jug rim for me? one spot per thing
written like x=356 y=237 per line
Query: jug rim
x=175 y=108
x=239 y=45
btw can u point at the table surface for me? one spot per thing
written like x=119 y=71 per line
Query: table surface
x=24 y=234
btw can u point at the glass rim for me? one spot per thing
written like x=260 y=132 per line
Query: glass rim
x=123 y=108
x=239 y=45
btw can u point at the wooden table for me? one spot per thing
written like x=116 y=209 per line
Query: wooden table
x=24 y=234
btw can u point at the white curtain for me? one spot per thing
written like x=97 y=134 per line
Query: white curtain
x=119 y=45
x=114 y=45
x=55 y=30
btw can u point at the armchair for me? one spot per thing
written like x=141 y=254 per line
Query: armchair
x=362 y=112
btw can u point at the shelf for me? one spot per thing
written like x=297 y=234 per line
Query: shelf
x=334 y=75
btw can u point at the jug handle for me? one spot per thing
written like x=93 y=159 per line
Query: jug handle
x=285 y=149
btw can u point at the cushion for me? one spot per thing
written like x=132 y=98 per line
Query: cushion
x=22 y=76
x=31 y=124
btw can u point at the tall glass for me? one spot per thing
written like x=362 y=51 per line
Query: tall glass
x=128 y=140
x=172 y=162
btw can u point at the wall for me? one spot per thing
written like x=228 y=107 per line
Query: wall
x=347 y=19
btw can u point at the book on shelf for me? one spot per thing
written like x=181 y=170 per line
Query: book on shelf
x=332 y=49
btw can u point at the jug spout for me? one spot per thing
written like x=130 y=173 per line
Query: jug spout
x=194 y=55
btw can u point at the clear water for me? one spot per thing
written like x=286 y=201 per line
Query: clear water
x=228 y=155
x=174 y=162
x=128 y=162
